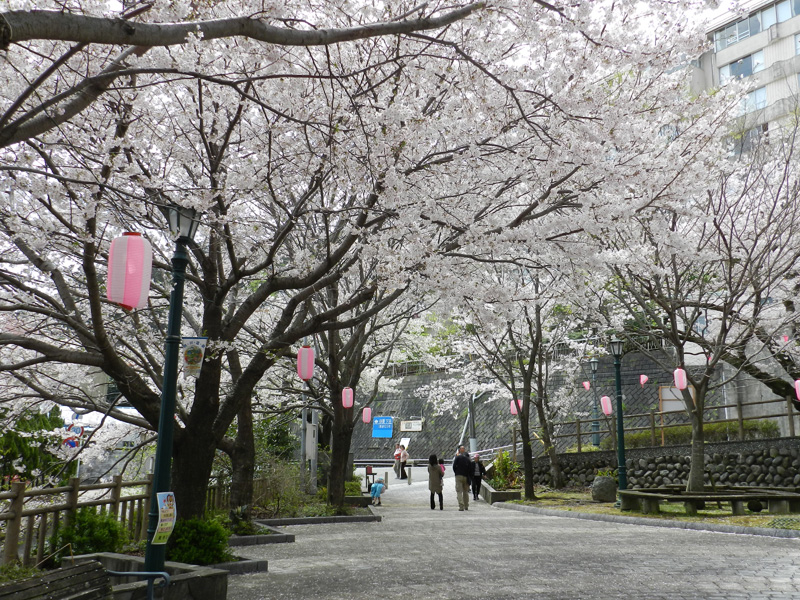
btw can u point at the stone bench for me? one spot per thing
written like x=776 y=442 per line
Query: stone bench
x=647 y=501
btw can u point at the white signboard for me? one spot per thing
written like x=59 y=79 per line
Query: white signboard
x=671 y=398
x=410 y=425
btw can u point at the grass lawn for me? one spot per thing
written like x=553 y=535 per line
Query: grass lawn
x=581 y=501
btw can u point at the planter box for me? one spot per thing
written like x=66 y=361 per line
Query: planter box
x=313 y=520
x=187 y=582
x=358 y=500
x=276 y=537
x=491 y=495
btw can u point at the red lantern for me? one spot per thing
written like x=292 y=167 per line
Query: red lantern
x=643 y=379
x=586 y=385
x=797 y=388
x=680 y=379
x=366 y=416
x=347 y=397
x=130 y=263
x=305 y=363
x=516 y=406
x=605 y=404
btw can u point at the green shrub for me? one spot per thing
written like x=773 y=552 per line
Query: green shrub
x=713 y=432
x=506 y=473
x=90 y=532
x=352 y=487
x=16 y=572
x=199 y=542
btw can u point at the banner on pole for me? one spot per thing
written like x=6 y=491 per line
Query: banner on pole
x=194 y=349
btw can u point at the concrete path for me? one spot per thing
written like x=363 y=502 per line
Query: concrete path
x=491 y=553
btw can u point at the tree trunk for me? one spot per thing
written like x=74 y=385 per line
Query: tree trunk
x=556 y=476
x=527 y=456
x=243 y=463
x=342 y=433
x=191 y=470
x=695 y=482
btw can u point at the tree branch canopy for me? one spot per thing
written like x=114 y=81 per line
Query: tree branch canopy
x=24 y=25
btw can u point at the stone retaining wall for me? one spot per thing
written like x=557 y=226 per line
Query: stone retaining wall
x=767 y=463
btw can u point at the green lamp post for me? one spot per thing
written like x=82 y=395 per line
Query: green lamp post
x=183 y=222
x=616 y=345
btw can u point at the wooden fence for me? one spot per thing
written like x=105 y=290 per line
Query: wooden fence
x=30 y=516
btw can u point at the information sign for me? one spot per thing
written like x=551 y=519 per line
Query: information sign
x=382 y=427
x=166 y=517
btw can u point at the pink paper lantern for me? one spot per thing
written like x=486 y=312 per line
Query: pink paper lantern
x=305 y=363
x=347 y=397
x=797 y=388
x=366 y=416
x=586 y=385
x=605 y=404
x=680 y=379
x=643 y=379
x=516 y=406
x=785 y=338
x=130 y=263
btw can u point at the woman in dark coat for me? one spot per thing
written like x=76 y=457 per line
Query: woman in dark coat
x=435 y=481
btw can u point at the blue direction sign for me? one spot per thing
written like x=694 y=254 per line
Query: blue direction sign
x=382 y=427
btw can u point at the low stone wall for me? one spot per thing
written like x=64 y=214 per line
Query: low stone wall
x=767 y=463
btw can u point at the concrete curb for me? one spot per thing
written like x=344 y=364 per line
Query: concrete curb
x=276 y=537
x=693 y=525
x=314 y=520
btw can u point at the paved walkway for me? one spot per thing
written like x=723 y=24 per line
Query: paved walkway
x=491 y=553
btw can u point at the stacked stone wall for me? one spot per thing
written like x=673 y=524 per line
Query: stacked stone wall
x=764 y=463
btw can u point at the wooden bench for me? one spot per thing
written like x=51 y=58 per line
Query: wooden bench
x=83 y=581
x=647 y=501
x=86 y=581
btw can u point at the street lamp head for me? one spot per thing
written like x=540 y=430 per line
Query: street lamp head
x=616 y=345
x=593 y=363
x=182 y=220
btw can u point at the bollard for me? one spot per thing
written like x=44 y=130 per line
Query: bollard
x=408 y=472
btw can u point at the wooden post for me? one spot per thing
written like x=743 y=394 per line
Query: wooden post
x=43 y=519
x=116 y=494
x=144 y=509
x=72 y=501
x=578 y=432
x=790 y=415
x=11 y=543
x=652 y=427
x=740 y=417
x=28 y=545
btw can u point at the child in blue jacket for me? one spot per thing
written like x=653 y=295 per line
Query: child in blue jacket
x=376 y=490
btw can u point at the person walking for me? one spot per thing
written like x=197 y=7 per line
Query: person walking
x=462 y=469
x=478 y=471
x=397 y=452
x=403 y=461
x=435 y=477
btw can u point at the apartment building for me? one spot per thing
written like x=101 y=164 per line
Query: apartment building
x=761 y=45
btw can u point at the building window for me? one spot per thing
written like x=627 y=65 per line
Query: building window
x=755 y=100
x=756 y=23
x=744 y=67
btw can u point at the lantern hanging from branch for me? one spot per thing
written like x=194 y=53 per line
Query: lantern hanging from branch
x=130 y=263
x=643 y=379
x=586 y=385
x=305 y=363
x=605 y=404
x=366 y=416
x=347 y=397
x=680 y=379
x=797 y=388
x=516 y=406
